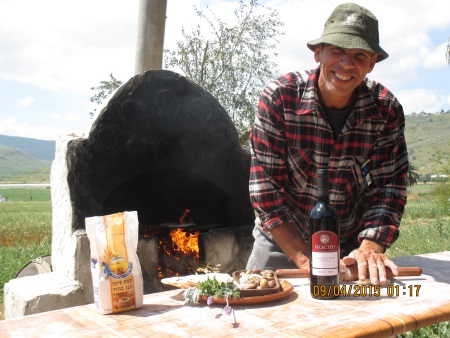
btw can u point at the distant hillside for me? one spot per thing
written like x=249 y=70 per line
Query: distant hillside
x=427 y=136
x=14 y=162
x=40 y=149
x=41 y=175
x=28 y=160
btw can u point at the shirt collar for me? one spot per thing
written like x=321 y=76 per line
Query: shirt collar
x=364 y=107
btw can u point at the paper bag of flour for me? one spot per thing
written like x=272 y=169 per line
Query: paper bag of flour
x=115 y=267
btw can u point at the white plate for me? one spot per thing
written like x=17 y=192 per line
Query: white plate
x=185 y=282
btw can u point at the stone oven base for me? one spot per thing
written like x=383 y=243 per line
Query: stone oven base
x=227 y=247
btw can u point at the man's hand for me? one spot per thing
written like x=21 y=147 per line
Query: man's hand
x=371 y=262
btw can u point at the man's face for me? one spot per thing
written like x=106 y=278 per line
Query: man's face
x=341 y=72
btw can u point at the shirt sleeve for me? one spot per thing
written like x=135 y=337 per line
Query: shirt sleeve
x=268 y=170
x=386 y=197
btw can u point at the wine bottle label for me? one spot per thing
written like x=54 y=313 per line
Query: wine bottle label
x=324 y=254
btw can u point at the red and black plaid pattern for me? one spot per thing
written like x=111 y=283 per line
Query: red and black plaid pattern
x=291 y=139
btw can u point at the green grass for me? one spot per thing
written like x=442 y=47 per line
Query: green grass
x=422 y=188
x=425 y=228
x=26 y=194
x=40 y=175
x=25 y=233
x=426 y=224
x=440 y=330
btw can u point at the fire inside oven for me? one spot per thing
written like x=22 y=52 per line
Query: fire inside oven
x=180 y=246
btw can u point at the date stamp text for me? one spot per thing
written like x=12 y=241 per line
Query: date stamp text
x=369 y=290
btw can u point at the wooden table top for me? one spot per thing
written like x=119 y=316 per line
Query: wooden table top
x=409 y=303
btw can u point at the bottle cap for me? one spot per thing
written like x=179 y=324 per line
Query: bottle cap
x=322 y=182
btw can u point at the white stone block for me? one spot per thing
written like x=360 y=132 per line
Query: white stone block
x=41 y=293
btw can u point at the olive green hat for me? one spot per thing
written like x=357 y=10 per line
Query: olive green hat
x=351 y=26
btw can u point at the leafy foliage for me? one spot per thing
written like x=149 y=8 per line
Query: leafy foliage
x=443 y=161
x=412 y=176
x=103 y=91
x=447 y=53
x=234 y=62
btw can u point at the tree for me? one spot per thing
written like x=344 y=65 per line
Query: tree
x=412 y=177
x=103 y=91
x=442 y=161
x=233 y=62
x=447 y=53
x=426 y=178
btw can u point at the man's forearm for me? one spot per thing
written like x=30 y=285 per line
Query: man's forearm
x=288 y=237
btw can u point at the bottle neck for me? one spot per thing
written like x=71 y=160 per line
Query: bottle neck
x=323 y=196
x=322 y=185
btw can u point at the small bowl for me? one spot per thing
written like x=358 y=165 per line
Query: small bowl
x=256 y=292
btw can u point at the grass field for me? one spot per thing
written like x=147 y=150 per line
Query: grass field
x=426 y=224
x=25 y=233
x=26 y=194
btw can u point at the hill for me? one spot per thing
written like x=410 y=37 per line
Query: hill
x=28 y=160
x=18 y=166
x=427 y=137
x=25 y=160
x=40 y=149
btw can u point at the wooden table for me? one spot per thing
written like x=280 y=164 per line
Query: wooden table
x=297 y=315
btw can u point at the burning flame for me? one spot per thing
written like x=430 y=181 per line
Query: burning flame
x=182 y=246
x=186 y=217
x=187 y=243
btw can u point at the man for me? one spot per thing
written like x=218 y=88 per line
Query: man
x=332 y=117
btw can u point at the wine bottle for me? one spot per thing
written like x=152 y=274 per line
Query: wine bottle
x=324 y=243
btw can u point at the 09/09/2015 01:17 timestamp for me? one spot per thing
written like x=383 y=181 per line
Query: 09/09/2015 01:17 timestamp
x=356 y=290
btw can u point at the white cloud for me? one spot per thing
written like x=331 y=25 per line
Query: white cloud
x=72 y=51
x=436 y=57
x=66 y=117
x=78 y=56
x=417 y=100
x=25 y=101
x=14 y=127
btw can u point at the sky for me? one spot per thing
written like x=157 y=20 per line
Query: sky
x=52 y=52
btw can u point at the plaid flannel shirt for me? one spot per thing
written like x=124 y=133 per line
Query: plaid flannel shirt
x=367 y=163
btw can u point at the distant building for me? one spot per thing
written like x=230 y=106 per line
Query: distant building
x=441 y=177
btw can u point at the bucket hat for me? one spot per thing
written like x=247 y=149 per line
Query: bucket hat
x=351 y=26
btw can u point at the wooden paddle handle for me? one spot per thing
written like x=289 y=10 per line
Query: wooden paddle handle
x=300 y=273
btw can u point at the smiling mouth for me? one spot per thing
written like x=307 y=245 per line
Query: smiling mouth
x=342 y=77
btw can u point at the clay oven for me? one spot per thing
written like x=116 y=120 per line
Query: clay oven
x=162 y=146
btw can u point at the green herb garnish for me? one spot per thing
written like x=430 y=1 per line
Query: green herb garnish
x=211 y=287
